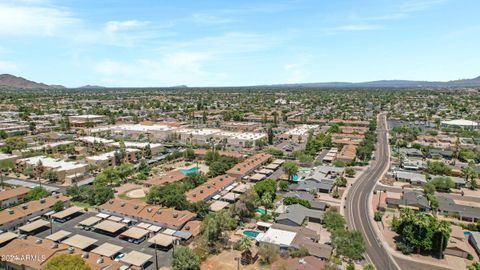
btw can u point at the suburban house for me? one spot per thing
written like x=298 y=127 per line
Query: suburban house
x=412 y=199
x=410 y=177
x=296 y=215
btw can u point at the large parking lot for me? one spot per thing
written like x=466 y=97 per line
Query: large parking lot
x=164 y=257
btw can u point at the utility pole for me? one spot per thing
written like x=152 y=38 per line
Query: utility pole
x=156 y=257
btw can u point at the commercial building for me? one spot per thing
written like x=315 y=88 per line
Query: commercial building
x=88 y=120
x=460 y=123
x=299 y=133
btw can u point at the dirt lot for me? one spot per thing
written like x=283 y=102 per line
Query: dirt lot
x=226 y=261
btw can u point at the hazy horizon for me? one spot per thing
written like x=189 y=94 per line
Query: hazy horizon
x=217 y=43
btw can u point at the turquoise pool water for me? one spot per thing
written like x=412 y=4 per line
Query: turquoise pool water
x=305 y=171
x=467 y=234
x=262 y=211
x=295 y=178
x=190 y=170
x=251 y=234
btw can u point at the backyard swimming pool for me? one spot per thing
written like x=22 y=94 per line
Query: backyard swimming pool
x=467 y=234
x=190 y=170
x=262 y=211
x=295 y=178
x=251 y=234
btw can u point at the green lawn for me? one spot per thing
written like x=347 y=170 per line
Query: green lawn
x=81 y=204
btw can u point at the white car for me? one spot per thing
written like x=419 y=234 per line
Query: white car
x=119 y=256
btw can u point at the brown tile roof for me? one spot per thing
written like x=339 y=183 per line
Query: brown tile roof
x=25 y=209
x=348 y=152
x=153 y=213
x=209 y=188
x=193 y=227
x=249 y=164
x=13 y=192
x=44 y=251
x=168 y=177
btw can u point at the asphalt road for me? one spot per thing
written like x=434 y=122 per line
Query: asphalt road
x=357 y=209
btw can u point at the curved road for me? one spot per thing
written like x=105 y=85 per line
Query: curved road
x=357 y=207
x=357 y=210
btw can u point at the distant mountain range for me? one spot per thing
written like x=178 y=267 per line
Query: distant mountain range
x=475 y=82
x=14 y=82
x=10 y=81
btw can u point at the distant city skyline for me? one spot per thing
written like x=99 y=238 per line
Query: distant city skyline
x=235 y=43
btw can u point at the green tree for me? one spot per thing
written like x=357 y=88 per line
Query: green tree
x=266 y=186
x=290 y=168
x=333 y=221
x=283 y=185
x=369 y=267
x=36 y=193
x=443 y=183
x=185 y=259
x=350 y=172
x=296 y=200
x=67 y=261
x=349 y=244
x=268 y=252
x=58 y=206
x=429 y=188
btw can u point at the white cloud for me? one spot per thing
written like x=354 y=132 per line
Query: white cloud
x=34 y=20
x=113 y=27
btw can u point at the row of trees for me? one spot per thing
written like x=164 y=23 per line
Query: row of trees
x=420 y=232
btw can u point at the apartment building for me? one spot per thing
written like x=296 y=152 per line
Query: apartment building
x=249 y=165
x=12 y=196
x=108 y=159
x=154 y=214
x=210 y=188
x=14 y=217
x=67 y=171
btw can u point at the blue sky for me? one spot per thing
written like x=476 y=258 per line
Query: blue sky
x=218 y=43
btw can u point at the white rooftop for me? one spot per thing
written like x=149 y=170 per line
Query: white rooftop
x=460 y=122
x=91 y=139
x=301 y=130
x=53 y=163
x=144 y=128
x=277 y=237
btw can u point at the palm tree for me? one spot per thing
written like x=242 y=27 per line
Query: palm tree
x=444 y=230
x=265 y=201
x=244 y=245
